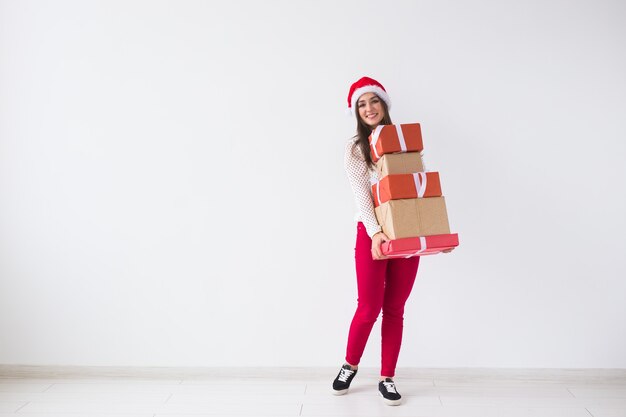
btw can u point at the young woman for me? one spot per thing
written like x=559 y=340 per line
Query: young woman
x=383 y=284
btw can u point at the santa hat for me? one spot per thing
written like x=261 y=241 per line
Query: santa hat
x=366 y=85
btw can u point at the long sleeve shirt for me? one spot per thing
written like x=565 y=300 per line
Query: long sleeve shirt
x=361 y=179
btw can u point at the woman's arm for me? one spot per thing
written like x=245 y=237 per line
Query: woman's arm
x=358 y=174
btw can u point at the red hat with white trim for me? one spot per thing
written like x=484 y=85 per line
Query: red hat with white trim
x=366 y=85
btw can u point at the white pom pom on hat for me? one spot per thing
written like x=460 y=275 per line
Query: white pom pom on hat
x=362 y=86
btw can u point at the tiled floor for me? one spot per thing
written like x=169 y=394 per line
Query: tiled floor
x=302 y=392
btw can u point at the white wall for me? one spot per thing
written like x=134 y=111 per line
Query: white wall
x=172 y=186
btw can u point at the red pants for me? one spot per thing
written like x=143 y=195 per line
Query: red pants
x=382 y=284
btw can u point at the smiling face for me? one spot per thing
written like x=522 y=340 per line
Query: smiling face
x=370 y=108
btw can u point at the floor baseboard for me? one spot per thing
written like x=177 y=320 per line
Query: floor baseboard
x=611 y=375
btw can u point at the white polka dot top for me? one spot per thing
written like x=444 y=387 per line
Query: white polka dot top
x=361 y=179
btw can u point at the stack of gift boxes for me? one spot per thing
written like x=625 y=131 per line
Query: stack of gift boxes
x=408 y=201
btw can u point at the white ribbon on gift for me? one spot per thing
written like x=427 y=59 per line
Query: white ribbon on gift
x=420 y=183
x=376 y=133
x=401 y=138
x=422 y=247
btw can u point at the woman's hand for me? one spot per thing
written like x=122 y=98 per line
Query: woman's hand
x=447 y=250
x=377 y=239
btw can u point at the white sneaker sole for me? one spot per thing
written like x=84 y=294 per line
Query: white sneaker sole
x=340 y=392
x=390 y=402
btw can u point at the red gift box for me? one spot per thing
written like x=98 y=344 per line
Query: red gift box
x=395 y=138
x=418 y=246
x=415 y=185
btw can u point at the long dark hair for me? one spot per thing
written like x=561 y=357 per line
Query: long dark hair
x=363 y=131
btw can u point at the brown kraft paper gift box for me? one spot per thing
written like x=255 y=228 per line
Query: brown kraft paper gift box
x=399 y=163
x=413 y=217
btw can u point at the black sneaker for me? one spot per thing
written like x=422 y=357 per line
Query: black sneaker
x=389 y=393
x=342 y=382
